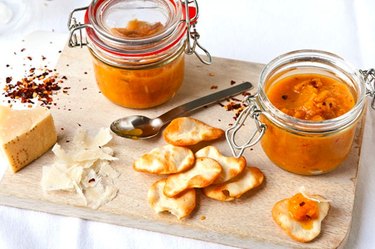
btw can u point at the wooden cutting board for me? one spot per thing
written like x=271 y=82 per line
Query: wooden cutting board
x=244 y=223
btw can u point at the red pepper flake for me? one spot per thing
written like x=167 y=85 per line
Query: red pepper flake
x=213 y=87
x=38 y=85
x=234 y=104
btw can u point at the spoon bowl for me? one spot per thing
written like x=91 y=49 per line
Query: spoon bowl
x=137 y=127
x=141 y=127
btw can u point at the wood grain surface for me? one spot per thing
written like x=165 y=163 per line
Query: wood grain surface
x=244 y=223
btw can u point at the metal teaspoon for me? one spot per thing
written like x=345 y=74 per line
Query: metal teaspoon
x=141 y=127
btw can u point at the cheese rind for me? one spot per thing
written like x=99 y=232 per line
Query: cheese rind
x=25 y=135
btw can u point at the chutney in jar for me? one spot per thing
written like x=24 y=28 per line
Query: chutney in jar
x=311 y=98
x=140 y=81
x=140 y=88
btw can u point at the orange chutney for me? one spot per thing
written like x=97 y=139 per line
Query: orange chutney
x=140 y=88
x=137 y=28
x=303 y=210
x=311 y=97
x=144 y=82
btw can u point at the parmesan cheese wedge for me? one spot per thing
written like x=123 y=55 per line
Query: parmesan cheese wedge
x=25 y=135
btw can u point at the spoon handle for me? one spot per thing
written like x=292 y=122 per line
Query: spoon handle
x=206 y=100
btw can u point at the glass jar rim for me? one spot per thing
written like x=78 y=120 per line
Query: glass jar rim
x=300 y=125
x=161 y=42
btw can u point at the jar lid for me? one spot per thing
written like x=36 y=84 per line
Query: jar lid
x=136 y=27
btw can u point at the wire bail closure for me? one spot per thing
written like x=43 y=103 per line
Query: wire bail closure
x=369 y=77
x=75 y=26
x=192 y=34
x=253 y=111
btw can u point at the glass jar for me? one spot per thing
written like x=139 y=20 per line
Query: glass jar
x=138 y=47
x=301 y=146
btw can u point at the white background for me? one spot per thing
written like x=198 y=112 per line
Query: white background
x=251 y=30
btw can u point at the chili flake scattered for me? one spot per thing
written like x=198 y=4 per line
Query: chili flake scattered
x=234 y=104
x=37 y=85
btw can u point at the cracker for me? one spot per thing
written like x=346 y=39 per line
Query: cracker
x=232 y=166
x=186 y=131
x=180 y=206
x=168 y=159
x=299 y=231
x=249 y=178
x=204 y=172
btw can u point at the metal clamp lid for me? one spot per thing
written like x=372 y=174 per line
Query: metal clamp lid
x=253 y=111
x=369 y=77
x=73 y=26
x=191 y=12
x=192 y=35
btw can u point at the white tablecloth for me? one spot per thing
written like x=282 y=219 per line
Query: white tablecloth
x=247 y=30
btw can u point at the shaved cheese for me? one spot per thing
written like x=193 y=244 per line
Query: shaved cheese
x=54 y=178
x=302 y=190
x=106 y=170
x=84 y=168
x=100 y=195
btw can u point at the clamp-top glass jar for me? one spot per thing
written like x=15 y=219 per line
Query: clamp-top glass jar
x=306 y=111
x=138 y=47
